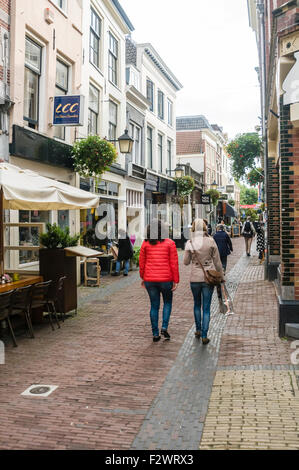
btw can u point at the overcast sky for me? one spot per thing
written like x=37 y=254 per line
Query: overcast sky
x=211 y=49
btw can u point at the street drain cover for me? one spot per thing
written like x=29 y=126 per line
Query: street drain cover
x=39 y=390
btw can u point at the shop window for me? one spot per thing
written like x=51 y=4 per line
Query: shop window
x=29 y=236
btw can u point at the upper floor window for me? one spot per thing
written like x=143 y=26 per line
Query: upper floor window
x=61 y=88
x=95 y=37
x=33 y=54
x=62 y=4
x=133 y=77
x=161 y=104
x=135 y=133
x=169 y=155
x=149 y=147
x=112 y=120
x=93 y=110
x=113 y=58
x=160 y=152
x=150 y=93
x=170 y=112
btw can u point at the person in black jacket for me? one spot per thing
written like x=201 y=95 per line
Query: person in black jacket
x=224 y=244
x=125 y=253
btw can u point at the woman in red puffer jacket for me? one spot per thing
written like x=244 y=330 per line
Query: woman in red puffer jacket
x=159 y=271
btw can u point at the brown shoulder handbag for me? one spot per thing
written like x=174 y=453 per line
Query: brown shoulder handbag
x=212 y=277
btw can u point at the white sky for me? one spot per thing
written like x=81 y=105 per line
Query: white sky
x=211 y=49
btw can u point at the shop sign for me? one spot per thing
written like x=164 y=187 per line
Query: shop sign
x=68 y=110
x=205 y=199
x=230 y=188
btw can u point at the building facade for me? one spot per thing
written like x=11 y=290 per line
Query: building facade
x=5 y=100
x=45 y=60
x=276 y=25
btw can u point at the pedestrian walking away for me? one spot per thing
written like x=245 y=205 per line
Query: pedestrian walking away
x=202 y=252
x=125 y=253
x=159 y=271
x=224 y=244
x=260 y=241
x=225 y=248
x=248 y=233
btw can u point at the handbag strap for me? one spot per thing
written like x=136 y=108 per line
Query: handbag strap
x=200 y=263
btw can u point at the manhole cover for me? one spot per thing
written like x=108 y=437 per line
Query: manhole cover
x=38 y=390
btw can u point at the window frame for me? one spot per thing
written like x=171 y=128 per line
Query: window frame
x=151 y=99
x=97 y=35
x=90 y=110
x=169 y=155
x=113 y=56
x=62 y=8
x=149 y=139
x=37 y=73
x=170 y=112
x=160 y=151
x=111 y=124
x=64 y=91
x=161 y=103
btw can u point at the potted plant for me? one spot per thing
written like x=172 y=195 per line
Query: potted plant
x=93 y=156
x=54 y=262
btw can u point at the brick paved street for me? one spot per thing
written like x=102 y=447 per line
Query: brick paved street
x=119 y=390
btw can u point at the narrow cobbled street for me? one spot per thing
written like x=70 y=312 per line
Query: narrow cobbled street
x=119 y=390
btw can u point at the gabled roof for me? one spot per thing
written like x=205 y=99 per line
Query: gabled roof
x=160 y=64
x=188 y=143
x=184 y=123
x=123 y=14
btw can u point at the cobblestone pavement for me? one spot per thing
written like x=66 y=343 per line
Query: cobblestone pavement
x=119 y=390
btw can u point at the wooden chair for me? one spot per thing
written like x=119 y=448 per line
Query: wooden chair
x=20 y=305
x=41 y=299
x=5 y=310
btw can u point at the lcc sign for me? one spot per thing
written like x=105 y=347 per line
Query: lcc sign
x=68 y=110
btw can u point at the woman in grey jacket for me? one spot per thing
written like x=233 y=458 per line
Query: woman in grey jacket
x=207 y=251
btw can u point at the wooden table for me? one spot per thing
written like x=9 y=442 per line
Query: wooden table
x=23 y=282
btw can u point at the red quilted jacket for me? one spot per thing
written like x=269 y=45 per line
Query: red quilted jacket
x=159 y=263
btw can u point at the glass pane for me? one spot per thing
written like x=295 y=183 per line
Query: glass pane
x=113 y=45
x=113 y=189
x=64 y=219
x=112 y=113
x=94 y=49
x=93 y=99
x=102 y=187
x=30 y=95
x=112 y=69
x=95 y=22
x=59 y=131
x=33 y=55
x=92 y=123
x=62 y=75
x=29 y=236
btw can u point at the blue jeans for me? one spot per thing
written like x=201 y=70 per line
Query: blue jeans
x=154 y=290
x=126 y=267
x=202 y=294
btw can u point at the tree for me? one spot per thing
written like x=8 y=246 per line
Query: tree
x=248 y=196
x=255 y=176
x=243 y=151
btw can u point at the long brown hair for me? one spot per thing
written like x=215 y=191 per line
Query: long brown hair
x=156 y=227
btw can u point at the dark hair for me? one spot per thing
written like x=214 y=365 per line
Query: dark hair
x=154 y=226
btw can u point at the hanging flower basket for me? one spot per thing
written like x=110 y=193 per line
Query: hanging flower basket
x=215 y=195
x=185 y=185
x=93 y=156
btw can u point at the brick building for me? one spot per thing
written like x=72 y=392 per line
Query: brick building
x=5 y=101
x=276 y=24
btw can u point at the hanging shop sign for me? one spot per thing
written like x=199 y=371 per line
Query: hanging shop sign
x=68 y=110
x=230 y=188
x=205 y=199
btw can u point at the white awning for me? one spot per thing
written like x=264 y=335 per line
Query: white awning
x=27 y=190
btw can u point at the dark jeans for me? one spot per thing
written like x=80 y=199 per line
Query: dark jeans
x=224 y=262
x=202 y=294
x=155 y=289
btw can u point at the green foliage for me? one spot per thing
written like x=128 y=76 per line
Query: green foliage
x=255 y=176
x=185 y=185
x=215 y=195
x=93 y=156
x=136 y=255
x=56 y=237
x=243 y=151
x=252 y=214
x=248 y=195
x=231 y=202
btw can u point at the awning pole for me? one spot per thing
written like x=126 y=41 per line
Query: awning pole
x=1 y=233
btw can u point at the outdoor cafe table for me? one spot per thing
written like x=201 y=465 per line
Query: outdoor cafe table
x=24 y=281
